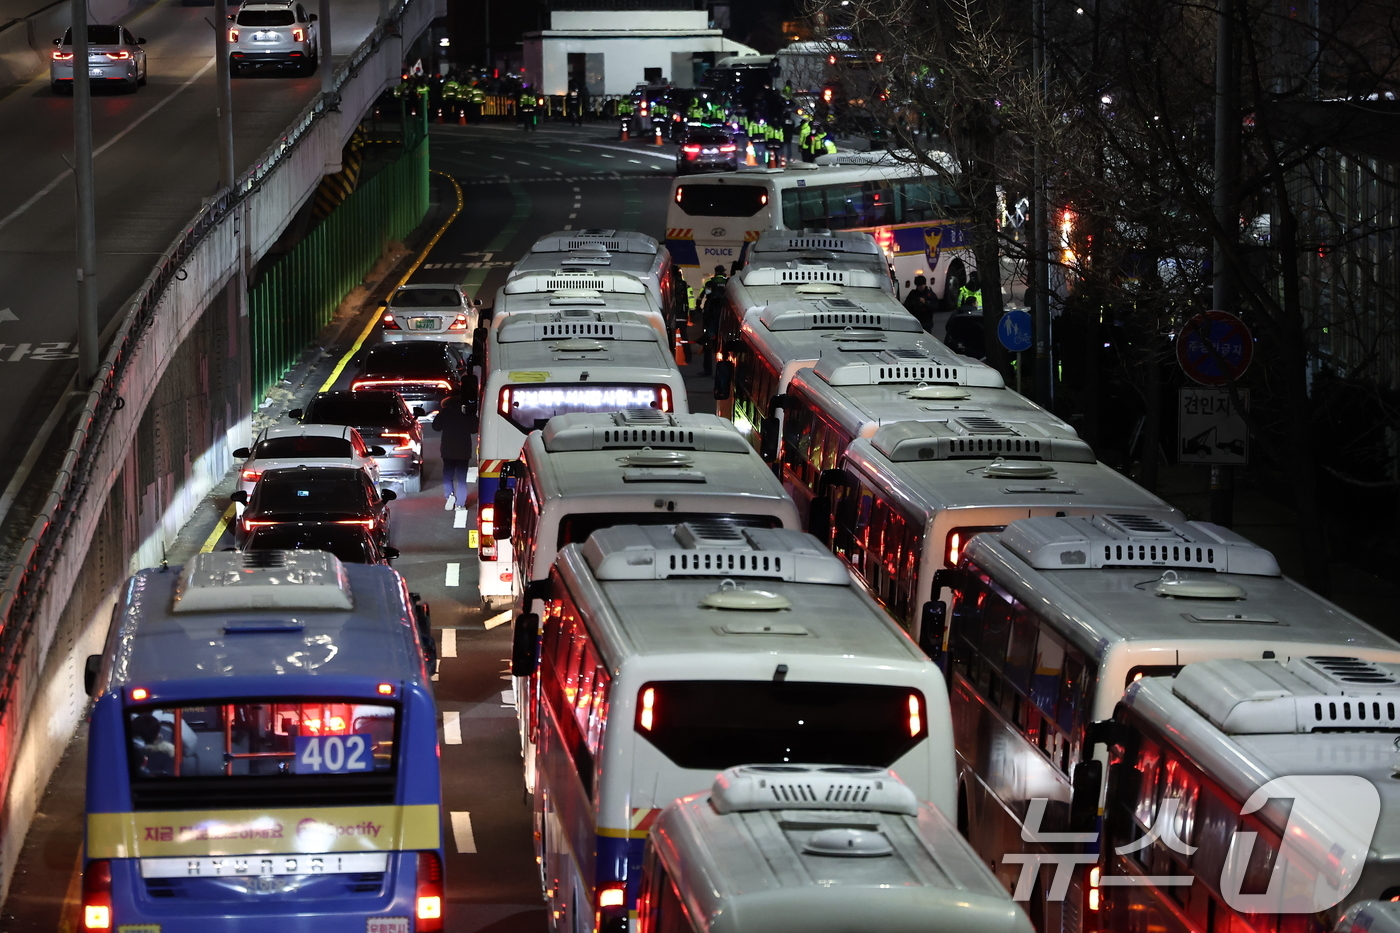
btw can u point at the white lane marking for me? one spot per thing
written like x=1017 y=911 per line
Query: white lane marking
x=502 y=158
x=500 y=618
x=459 y=518
x=606 y=156
x=454 y=574
x=635 y=161
x=508 y=697
x=449 y=643
x=572 y=216
x=462 y=832
x=451 y=727
x=105 y=146
x=518 y=162
x=576 y=189
x=575 y=150
x=568 y=226
x=7 y=315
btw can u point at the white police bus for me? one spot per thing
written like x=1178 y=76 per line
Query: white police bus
x=583 y=472
x=848 y=249
x=1054 y=618
x=607 y=250
x=817 y=848
x=1275 y=780
x=757 y=647
x=914 y=215
x=539 y=365
x=560 y=289
x=263 y=751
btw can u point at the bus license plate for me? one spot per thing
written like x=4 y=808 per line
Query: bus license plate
x=386 y=925
x=424 y=323
x=253 y=866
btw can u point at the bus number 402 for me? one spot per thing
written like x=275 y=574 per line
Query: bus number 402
x=333 y=754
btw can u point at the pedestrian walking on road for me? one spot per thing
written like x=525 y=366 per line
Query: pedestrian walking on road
x=922 y=302
x=711 y=304
x=456 y=421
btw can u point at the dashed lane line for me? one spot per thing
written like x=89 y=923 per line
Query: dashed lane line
x=462 y=832
x=451 y=727
x=454 y=574
x=459 y=518
x=449 y=643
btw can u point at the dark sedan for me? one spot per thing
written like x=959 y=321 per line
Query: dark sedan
x=423 y=373
x=331 y=495
x=354 y=544
x=707 y=149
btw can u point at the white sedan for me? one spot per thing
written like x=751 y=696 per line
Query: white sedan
x=429 y=312
x=306 y=445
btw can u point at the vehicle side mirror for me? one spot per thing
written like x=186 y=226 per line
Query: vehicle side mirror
x=525 y=645
x=91 y=668
x=295 y=414
x=311 y=18
x=933 y=624
x=391 y=553
x=242 y=453
x=384 y=304
x=387 y=495
x=724 y=379
x=418 y=412
x=768 y=439
x=140 y=40
x=376 y=451
x=239 y=496
x=479 y=342
x=505 y=512
x=1084 y=801
x=476 y=302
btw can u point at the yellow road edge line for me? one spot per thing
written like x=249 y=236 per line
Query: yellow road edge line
x=218 y=531
x=68 y=920
x=422 y=255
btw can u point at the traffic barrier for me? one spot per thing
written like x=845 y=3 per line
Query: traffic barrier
x=170 y=400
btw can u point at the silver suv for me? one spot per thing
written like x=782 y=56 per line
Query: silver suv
x=276 y=35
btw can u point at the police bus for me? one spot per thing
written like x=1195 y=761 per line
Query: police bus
x=913 y=214
x=1275 y=782
x=1054 y=617
x=845 y=248
x=817 y=848
x=902 y=504
x=606 y=250
x=757 y=647
x=558 y=289
x=263 y=750
x=583 y=472
x=787 y=336
x=543 y=364
x=826 y=407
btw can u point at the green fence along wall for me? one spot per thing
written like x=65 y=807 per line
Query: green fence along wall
x=299 y=294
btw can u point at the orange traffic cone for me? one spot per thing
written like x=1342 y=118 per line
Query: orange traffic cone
x=462 y=117
x=625 y=136
x=680 y=349
x=657 y=140
x=749 y=157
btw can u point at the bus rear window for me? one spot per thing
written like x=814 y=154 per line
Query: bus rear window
x=528 y=407
x=258 y=747
x=721 y=723
x=721 y=200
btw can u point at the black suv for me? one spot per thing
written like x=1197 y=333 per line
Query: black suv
x=423 y=373
x=383 y=419
x=333 y=495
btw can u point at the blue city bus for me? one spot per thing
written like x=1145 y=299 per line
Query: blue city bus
x=263 y=749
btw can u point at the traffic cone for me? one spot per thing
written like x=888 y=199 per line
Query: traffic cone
x=749 y=157
x=462 y=117
x=657 y=140
x=624 y=137
x=680 y=349
x=439 y=119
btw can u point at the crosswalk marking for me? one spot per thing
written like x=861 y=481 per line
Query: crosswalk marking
x=451 y=727
x=449 y=643
x=454 y=574
x=459 y=519
x=500 y=618
x=462 y=832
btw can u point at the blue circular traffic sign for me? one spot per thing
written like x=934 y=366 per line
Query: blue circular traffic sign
x=1214 y=348
x=1014 y=330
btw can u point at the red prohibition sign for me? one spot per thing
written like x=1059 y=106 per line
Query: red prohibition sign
x=1214 y=348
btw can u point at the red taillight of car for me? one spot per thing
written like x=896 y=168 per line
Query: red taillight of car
x=362 y=522
x=458 y=323
x=123 y=55
x=97 y=895
x=233 y=35
x=428 y=900
x=486 y=521
x=251 y=475
x=62 y=56
x=249 y=526
x=729 y=147
x=389 y=322
x=691 y=148
x=298 y=35
x=405 y=440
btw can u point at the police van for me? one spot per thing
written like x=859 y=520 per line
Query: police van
x=604 y=250
x=542 y=364
x=583 y=472
x=818 y=848
x=263 y=751
x=671 y=652
x=1053 y=618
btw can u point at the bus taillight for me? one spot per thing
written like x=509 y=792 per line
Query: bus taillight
x=916 y=715
x=97 y=895
x=611 y=916
x=488 y=521
x=429 y=899
x=646 y=717
x=954 y=549
x=1094 y=888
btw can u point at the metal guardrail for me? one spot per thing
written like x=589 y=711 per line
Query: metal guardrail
x=135 y=359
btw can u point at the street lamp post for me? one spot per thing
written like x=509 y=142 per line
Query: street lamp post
x=87 y=204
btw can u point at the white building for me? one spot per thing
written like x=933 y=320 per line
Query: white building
x=612 y=51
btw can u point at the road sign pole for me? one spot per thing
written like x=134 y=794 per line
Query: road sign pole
x=1222 y=494
x=1018 y=372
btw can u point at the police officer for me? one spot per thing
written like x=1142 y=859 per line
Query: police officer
x=711 y=302
x=970 y=295
x=526 y=106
